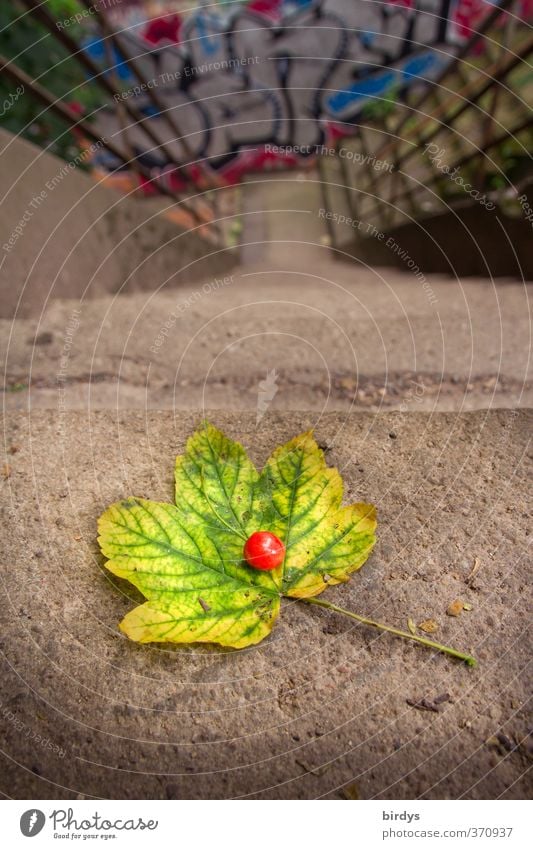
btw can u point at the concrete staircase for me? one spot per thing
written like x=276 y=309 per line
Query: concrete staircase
x=103 y=387
x=331 y=335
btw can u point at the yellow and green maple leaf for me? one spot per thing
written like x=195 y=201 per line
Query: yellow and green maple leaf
x=187 y=558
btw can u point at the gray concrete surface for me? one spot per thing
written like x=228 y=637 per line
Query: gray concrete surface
x=321 y=708
x=338 y=336
x=69 y=236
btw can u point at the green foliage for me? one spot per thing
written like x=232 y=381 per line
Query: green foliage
x=380 y=108
x=41 y=56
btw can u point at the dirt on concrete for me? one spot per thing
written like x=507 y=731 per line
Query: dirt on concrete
x=323 y=707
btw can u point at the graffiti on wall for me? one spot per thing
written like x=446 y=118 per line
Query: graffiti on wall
x=264 y=84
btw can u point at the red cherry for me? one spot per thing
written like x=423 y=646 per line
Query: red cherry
x=264 y=551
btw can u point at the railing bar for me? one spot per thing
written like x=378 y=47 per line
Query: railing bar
x=446 y=124
x=50 y=100
x=350 y=196
x=155 y=99
x=466 y=159
x=464 y=51
x=133 y=65
x=448 y=71
x=44 y=18
x=325 y=200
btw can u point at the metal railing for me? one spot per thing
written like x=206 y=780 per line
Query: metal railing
x=203 y=212
x=455 y=133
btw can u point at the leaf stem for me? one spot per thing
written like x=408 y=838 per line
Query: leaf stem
x=468 y=659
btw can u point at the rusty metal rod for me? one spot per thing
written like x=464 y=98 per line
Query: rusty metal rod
x=9 y=69
x=132 y=64
x=528 y=122
x=450 y=69
x=50 y=100
x=35 y=8
x=451 y=119
x=39 y=13
x=390 y=146
x=212 y=180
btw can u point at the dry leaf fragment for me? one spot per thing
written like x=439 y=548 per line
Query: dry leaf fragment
x=455 y=608
x=505 y=741
x=422 y=704
x=411 y=625
x=427 y=704
x=351 y=791
x=6 y=471
x=475 y=569
x=319 y=770
x=500 y=742
x=428 y=626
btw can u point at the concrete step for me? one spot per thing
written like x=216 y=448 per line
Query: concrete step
x=64 y=235
x=322 y=705
x=331 y=336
